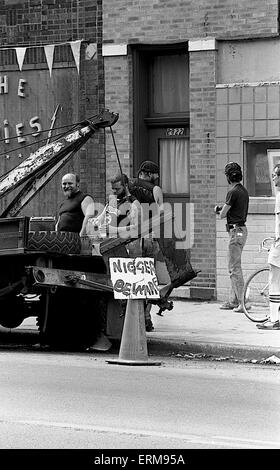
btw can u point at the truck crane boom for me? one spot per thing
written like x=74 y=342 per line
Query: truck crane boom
x=40 y=166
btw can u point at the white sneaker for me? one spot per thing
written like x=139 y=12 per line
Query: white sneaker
x=228 y=306
x=269 y=325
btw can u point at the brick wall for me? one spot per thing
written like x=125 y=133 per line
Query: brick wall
x=167 y=21
x=117 y=98
x=203 y=163
x=259 y=227
x=34 y=22
x=244 y=112
x=37 y=21
x=170 y=20
x=202 y=148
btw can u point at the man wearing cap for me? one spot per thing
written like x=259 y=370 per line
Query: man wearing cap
x=235 y=210
x=149 y=172
x=147 y=191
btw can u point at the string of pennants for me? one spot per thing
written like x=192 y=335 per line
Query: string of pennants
x=49 y=53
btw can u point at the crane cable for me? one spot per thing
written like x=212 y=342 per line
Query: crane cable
x=127 y=192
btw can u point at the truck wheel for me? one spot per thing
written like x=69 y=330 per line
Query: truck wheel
x=11 y=308
x=60 y=242
x=74 y=320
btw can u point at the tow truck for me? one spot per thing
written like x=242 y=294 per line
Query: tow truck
x=54 y=276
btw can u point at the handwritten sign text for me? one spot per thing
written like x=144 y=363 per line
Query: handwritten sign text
x=134 y=278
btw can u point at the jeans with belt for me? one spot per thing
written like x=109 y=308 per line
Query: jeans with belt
x=237 y=240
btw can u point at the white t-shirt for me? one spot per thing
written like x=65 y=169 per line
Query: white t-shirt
x=277 y=202
x=277 y=214
x=274 y=253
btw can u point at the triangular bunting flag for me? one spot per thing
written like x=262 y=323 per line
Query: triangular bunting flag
x=20 y=52
x=76 y=46
x=49 y=51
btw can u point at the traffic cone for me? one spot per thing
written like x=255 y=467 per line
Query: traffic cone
x=133 y=348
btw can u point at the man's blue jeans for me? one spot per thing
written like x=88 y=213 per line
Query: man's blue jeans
x=238 y=237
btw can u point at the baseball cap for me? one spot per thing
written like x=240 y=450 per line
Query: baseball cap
x=149 y=167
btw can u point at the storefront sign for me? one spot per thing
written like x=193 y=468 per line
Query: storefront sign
x=28 y=94
x=134 y=278
x=18 y=91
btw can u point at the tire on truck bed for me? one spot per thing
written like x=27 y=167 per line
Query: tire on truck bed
x=60 y=242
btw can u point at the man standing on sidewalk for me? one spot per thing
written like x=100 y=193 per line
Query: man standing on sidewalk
x=121 y=217
x=147 y=191
x=235 y=211
x=274 y=263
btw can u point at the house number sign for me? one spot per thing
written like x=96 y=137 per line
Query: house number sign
x=174 y=131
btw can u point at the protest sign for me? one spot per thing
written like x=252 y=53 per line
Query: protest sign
x=134 y=278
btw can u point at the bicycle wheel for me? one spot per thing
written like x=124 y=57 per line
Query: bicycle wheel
x=255 y=300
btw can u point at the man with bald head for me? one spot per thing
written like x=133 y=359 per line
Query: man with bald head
x=76 y=205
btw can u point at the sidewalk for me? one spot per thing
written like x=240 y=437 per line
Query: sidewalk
x=201 y=327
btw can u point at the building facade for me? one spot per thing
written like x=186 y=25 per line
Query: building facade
x=196 y=85
x=51 y=76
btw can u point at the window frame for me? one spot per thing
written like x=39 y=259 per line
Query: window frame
x=140 y=54
x=264 y=140
x=258 y=204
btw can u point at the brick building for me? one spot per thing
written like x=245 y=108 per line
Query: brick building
x=72 y=30
x=196 y=84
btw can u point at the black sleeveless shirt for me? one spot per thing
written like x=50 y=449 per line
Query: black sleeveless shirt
x=142 y=190
x=71 y=215
x=124 y=206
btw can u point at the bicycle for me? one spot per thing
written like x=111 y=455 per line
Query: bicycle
x=255 y=297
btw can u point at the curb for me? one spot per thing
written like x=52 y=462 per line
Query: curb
x=234 y=351
x=165 y=347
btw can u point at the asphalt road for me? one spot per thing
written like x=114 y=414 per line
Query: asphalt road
x=79 y=401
